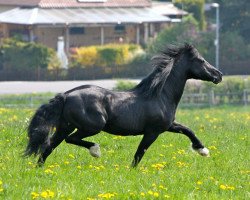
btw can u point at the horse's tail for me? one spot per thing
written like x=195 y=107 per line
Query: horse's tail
x=42 y=123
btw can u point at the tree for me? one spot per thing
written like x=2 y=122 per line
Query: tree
x=196 y=7
x=235 y=15
x=178 y=33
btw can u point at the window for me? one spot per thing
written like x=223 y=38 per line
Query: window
x=76 y=30
x=119 y=29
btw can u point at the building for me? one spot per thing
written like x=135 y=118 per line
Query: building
x=85 y=22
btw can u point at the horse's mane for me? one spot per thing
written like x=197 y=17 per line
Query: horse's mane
x=163 y=63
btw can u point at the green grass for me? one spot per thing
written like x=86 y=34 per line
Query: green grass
x=169 y=169
x=25 y=100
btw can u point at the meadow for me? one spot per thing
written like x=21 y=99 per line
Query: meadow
x=169 y=169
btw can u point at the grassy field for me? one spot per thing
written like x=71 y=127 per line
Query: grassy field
x=169 y=170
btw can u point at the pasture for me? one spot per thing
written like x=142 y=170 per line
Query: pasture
x=169 y=170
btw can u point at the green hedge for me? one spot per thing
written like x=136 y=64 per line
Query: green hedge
x=19 y=55
x=109 y=55
x=228 y=85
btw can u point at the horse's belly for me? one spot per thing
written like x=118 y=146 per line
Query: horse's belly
x=123 y=129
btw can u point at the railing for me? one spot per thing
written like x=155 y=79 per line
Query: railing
x=188 y=100
x=213 y=99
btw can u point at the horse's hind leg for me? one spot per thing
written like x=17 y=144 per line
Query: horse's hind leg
x=60 y=134
x=76 y=139
x=196 y=143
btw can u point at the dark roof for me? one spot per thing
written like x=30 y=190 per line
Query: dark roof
x=77 y=3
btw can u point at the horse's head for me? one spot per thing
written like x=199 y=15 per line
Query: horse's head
x=199 y=68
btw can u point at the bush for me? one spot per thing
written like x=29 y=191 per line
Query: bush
x=228 y=85
x=86 y=56
x=196 y=7
x=22 y=55
x=104 y=56
x=122 y=85
x=233 y=47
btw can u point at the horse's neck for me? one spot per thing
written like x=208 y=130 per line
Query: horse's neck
x=174 y=86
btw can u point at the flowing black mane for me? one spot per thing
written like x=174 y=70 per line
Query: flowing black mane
x=163 y=63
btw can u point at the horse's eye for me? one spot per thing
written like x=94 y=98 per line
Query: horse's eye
x=201 y=61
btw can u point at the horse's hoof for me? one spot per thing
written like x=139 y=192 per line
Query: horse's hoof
x=95 y=151
x=203 y=151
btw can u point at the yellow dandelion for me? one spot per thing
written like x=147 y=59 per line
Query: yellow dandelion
x=162 y=187
x=142 y=194
x=49 y=171
x=132 y=194
x=212 y=147
x=231 y=187
x=106 y=195
x=79 y=167
x=150 y=192
x=199 y=182
x=181 y=151
x=181 y=164
x=223 y=187
x=174 y=157
x=156 y=194
x=47 y=194
x=71 y=156
x=34 y=195
x=158 y=166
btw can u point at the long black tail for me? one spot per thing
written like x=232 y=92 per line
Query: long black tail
x=43 y=121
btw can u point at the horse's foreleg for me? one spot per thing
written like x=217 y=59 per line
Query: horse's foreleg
x=147 y=140
x=196 y=143
x=76 y=139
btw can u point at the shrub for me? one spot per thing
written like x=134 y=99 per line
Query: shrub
x=112 y=55
x=104 y=56
x=122 y=85
x=22 y=55
x=233 y=84
x=86 y=55
x=233 y=47
x=196 y=7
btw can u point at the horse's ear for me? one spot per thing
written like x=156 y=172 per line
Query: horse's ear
x=188 y=46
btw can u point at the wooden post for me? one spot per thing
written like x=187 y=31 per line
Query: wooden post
x=138 y=34
x=211 y=98
x=31 y=34
x=67 y=40
x=245 y=97
x=145 y=33
x=102 y=35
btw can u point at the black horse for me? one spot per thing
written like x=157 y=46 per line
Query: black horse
x=148 y=109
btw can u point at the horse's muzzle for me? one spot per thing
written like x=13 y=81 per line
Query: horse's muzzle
x=217 y=78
